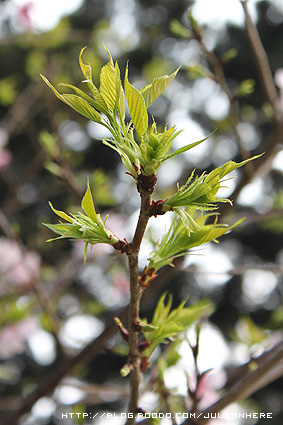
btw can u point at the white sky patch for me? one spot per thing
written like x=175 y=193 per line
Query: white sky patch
x=213 y=264
x=277 y=163
x=217 y=107
x=257 y=285
x=218 y=13
x=45 y=15
x=42 y=347
x=68 y=394
x=192 y=132
x=212 y=342
x=44 y=408
x=79 y=330
x=256 y=195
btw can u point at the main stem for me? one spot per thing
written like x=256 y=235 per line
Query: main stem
x=136 y=289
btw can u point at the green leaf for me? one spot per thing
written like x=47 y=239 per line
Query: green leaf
x=82 y=94
x=170 y=323
x=178 y=29
x=152 y=91
x=186 y=148
x=188 y=221
x=86 y=70
x=137 y=107
x=61 y=214
x=65 y=231
x=87 y=204
x=120 y=94
x=108 y=83
x=246 y=88
x=77 y=103
x=82 y=107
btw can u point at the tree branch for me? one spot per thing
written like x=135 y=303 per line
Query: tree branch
x=134 y=358
x=269 y=366
x=262 y=62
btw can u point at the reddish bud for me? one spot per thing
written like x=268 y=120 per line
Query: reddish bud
x=137 y=327
x=123 y=331
x=144 y=344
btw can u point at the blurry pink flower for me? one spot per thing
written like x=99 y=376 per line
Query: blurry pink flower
x=17 y=267
x=24 y=13
x=121 y=282
x=209 y=386
x=13 y=337
x=5 y=158
x=5 y=155
x=279 y=82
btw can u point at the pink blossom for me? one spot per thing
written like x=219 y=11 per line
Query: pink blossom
x=18 y=267
x=209 y=386
x=13 y=337
x=5 y=158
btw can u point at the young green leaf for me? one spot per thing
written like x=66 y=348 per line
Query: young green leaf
x=169 y=322
x=120 y=94
x=87 y=71
x=137 y=107
x=90 y=228
x=87 y=204
x=77 y=103
x=186 y=148
x=82 y=107
x=152 y=91
x=108 y=83
x=178 y=242
x=61 y=214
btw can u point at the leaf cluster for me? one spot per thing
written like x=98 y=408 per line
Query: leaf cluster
x=167 y=323
x=106 y=106
x=178 y=242
x=200 y=193
x=89 y=226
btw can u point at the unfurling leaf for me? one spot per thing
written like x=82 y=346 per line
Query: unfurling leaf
x=77 y=103
x=152 y=91
x=137 y=107
x=87 y=204
x=90 y=228
x=108 y=83
x=169 y=322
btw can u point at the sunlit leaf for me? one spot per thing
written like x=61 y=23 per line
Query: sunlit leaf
x=82 y=107
x=61 y=214
x=120 y=93
x=86 y=70
x=108 y=83
x=137 y=107
x=87 y=204
x=186 y=148
x=152 y=91
x=76 y=102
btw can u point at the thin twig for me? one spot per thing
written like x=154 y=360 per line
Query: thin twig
x=266 y=372
x=221 y=80
x=262 y=62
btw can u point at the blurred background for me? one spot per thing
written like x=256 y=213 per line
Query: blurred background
x=52 y=305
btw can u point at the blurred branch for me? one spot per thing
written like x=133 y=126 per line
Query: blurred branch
x=220 y=78
x=36 y=284
x=48 y=383
x=269 y=367
x=20 y=112
x=239 y=270
x=261 y=165
x=262 y=62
